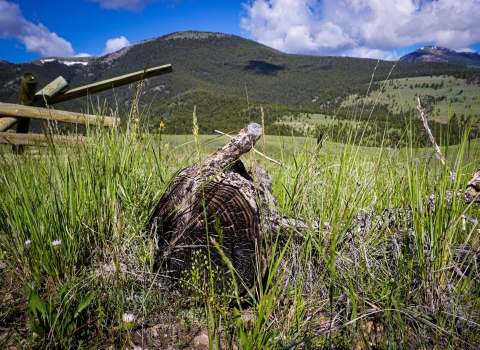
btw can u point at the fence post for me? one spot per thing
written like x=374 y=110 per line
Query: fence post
x=28 y=88
x=26 y=98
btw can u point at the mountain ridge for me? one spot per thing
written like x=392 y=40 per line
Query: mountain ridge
x=225 y=76
x=443 y=54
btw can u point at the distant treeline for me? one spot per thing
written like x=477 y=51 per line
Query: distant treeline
x=379 y=127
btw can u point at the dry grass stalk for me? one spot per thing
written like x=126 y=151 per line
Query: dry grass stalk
x=438 y=152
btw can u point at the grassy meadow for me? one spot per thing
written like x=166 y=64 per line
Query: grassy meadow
x=388 y=117
x=307 y=122
x=443 y=95
x=77 y=265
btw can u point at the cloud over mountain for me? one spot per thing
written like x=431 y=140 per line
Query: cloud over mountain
x=115 y=44
x=372 y=27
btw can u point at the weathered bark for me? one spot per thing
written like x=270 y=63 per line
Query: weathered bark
x=466 y=259
x=26 y=97
x=240 y=144
x=214 y=210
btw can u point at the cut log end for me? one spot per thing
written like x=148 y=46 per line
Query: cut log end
x=207 y=224
x=231 y=152
x=256 y=130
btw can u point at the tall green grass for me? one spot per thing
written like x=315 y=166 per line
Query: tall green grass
x=390 y=287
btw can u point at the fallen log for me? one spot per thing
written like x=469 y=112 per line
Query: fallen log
x=210 y=223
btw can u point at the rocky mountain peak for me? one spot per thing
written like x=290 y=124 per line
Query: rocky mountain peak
x=443 y=54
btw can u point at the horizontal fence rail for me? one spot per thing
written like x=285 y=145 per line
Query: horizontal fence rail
x=110 y=83
x=20 y=111
x=39 y=139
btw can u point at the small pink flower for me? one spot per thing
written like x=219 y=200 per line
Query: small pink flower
x=57 y=242
x=28 y=242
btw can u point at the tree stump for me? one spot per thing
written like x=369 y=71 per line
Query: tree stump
x=209 y=222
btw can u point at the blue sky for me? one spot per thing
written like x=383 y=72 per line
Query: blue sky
x=384 y=29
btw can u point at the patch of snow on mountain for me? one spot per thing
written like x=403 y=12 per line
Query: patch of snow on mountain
x=71 y=63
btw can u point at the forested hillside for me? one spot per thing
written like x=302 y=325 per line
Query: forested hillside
x=222 y=75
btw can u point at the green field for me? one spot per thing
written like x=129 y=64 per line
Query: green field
x=307 y=122
x=210 y=143
x=278 y=146
x=384 y=117
x=444 y=96
x=77 y=265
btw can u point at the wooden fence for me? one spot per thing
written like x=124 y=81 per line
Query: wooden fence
x=30 y=105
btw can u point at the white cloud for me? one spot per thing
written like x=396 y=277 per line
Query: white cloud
x=373 y=28
x=131 y=5
x=36 y=37
x=366 y=52
x=466 y=49
x=82 y=54
x=115 y=44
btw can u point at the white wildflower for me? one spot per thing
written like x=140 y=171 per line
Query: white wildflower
x=128 y=319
